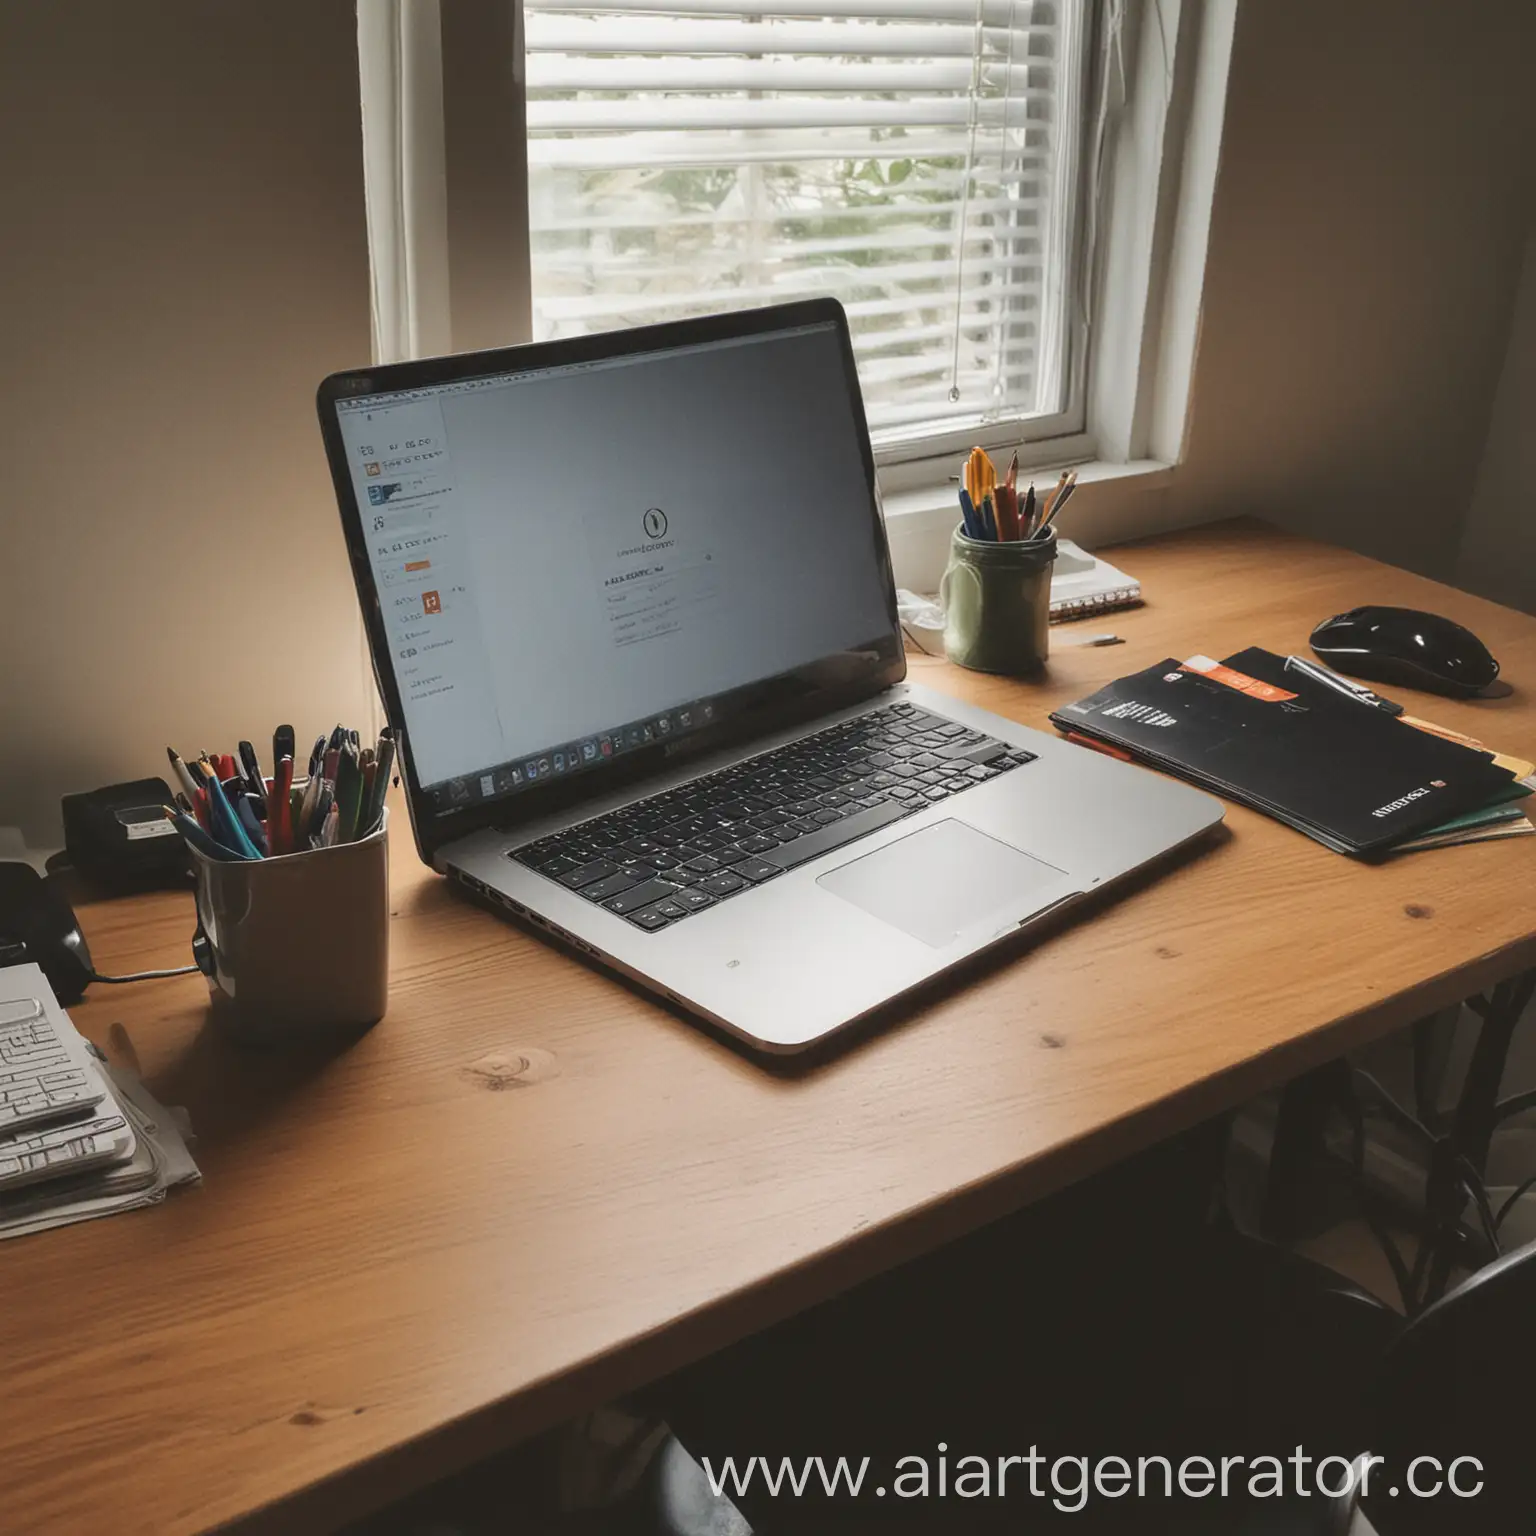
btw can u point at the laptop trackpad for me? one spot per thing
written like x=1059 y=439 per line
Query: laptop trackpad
x=946 y=879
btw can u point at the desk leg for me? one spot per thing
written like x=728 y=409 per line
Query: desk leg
x=1474 y=1121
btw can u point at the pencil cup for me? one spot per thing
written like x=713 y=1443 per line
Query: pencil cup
x=300 y=943
x=997 y=603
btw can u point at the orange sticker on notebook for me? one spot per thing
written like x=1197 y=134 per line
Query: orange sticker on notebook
x=1238 y=680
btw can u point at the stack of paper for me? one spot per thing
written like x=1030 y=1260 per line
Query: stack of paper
x=118 y=1154
x=1502 y=816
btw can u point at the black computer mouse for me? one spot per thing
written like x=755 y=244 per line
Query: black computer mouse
x=1406 y=646
x=37 y=924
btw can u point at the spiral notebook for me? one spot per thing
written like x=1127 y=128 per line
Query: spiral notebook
x=1082 y=584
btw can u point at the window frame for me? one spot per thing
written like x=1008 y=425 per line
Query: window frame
x=1130 y=374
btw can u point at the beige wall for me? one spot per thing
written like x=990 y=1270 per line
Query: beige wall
x=1498 y=546
x=1371 y=208
x=1372 y=201
x=183 y=258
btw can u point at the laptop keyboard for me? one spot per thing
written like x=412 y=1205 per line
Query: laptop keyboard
x=660 y=860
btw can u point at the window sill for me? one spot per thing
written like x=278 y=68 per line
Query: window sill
x=1113 y=502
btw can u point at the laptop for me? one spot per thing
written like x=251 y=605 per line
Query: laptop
x=632 y=615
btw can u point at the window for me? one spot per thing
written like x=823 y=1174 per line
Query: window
x=917 y=159
x=1011 y=197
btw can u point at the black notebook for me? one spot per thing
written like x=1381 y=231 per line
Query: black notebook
x=1353 y=777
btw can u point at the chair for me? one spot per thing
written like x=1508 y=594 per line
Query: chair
x=1453 y=1384
x=1281 y=1351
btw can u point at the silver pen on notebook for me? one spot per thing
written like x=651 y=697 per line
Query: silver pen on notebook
x=1341 y=685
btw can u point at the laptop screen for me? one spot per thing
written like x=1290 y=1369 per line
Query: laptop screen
x=575 y=562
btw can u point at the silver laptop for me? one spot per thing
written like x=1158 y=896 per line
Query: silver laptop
x=632 y=615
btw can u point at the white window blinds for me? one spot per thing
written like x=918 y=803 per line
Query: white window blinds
x=914 y=158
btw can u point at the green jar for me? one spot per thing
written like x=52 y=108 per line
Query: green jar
x=997 y=603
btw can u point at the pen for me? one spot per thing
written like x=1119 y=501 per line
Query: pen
x=1341 y=685
x=1030 y=513
x=245 y=809
x=316 y=756
x=1003 y=511
x=1068 y=641
x=968 y=515
x=1018 y=504
x=385 y=765
x=323 y=803
x=307 y=806
x=1054 y=492
x=282 y=745
x=280 y=823
x=199 y=839
x=210 y=814
x=224 y=824
x=252 y=767
x=349 y=789
x=982 y=476
x=1059 y=501
x=182 y=772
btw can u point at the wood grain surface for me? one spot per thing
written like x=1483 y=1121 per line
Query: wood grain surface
x=529 y=1188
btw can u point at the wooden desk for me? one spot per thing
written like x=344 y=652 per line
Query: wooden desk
x=529 y=1189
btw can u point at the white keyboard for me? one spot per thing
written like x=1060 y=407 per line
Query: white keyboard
x=44 y=1075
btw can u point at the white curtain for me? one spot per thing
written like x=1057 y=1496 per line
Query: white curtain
x=399 y=48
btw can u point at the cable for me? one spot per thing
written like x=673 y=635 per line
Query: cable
x=973 y=117
x=180 y=970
